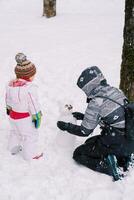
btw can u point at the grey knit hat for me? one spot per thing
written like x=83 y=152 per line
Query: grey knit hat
x=24 y=68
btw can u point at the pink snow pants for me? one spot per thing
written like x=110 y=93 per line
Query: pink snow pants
x=23 y=133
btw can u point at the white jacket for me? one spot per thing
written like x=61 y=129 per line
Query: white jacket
x=22 y=97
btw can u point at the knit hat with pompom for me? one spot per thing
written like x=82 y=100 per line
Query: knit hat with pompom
x=24 y=68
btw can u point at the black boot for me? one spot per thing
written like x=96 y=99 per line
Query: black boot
x=124 y=162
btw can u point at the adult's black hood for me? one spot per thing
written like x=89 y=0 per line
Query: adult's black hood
x=91 y=79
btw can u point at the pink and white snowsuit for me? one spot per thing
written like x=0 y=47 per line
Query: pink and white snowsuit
x=21 y=96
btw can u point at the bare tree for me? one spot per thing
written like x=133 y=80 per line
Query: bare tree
x=127 y=65
x=49 y=8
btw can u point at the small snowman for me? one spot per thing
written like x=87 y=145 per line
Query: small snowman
x=65 y=140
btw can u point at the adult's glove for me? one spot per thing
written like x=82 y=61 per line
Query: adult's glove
x=72 y=128
x=78 y=115
x=62 y=125
x=36 y=119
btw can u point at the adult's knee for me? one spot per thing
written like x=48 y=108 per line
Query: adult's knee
x=80 y=153
x=76 y=154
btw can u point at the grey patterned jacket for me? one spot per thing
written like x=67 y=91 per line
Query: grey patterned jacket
x=100 y=110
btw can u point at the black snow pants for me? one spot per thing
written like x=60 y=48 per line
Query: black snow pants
x=95 y=150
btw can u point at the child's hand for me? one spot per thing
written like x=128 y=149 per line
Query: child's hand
x=8 y=109
x=36 y=119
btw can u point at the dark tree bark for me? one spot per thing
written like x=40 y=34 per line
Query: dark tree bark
x=49 y=8
x=127 y=65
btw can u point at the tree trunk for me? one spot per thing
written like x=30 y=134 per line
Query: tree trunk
x=49 y=8
x=127 y=65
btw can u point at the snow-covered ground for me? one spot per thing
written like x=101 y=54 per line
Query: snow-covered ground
x=79 y=36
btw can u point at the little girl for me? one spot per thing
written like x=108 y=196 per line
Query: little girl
x=24 y=110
